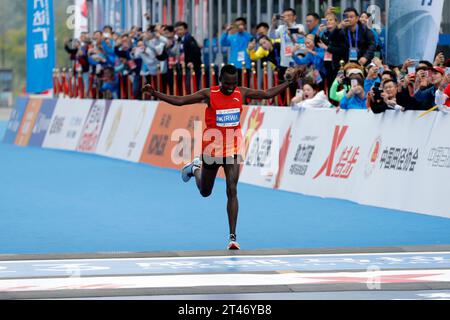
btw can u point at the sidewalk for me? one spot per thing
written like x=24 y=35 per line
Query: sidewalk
x=4 y=114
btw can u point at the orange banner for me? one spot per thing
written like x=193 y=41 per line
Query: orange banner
x=28 y=121
x=170 y=142
x=175 y=136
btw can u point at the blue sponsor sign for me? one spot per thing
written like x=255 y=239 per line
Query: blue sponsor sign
x=42 y=122
x=15 y=120
x=40 y=45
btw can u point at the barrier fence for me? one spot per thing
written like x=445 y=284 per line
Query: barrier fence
x=73 y=83
x=396 y=160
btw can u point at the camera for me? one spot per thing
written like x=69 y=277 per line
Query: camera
x=278 y=16
x=377 y=91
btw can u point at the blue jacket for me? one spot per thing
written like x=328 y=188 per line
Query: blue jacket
x=310 y=59
x=354 y=102
x=238 y=43
x=369 y=83
x=427 y=97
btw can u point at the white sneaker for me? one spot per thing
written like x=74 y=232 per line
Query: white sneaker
x=188 y=170
x=233 y=244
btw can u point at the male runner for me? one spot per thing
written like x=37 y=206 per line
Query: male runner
x=222 y=136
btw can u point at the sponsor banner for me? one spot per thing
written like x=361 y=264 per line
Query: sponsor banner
x=266 y=132
x=426 y=190
x=325 y=151
x=93 y=126
x=394 y=162
x=15 y=119
x=28 y=121
x=67 y=124
x=42 y=122
x=171 y=141
x=126 y=129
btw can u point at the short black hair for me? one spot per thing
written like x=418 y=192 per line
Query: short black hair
x=313 y=14
x=181 y=24
x=366 y=13
x=241 y=19
x=228 y=69
x=291 y=10
x=427 y=63
x=351 y=9
x=169 y=28
x=264 y=37
x=107 y=27
x=263 y=24
x=391 y=73
x=394 y=81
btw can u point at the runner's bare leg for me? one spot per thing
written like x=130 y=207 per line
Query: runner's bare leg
x=232 y=176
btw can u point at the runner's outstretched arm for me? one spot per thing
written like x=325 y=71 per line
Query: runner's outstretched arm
x=196 y=97
x=260 y=94
x=272 y=92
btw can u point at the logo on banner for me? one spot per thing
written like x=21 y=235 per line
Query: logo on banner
x=113 y=131
x=399 y=159
x=439 y=157
x=347 y=159
x=138 y=127
x=302 y=158
x=374 y=153
x=93 y=127
x=255 y=121
x=57 y=125
x=282 y=157
x=158 y=142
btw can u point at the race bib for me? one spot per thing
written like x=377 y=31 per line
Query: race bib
x=241 y=56
x=228 y=117
x=288 y=51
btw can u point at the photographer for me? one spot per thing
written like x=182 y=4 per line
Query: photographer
x=333 y=42
x=314 y=57
x=287 y=30
x=238 y=43
x=391 y=98
x=341 y=84
x=355 y=97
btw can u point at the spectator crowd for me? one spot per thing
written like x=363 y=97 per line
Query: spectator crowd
x=343 y=62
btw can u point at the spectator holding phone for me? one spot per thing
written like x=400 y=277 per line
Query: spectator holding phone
x=333 y=42
x=268 y=51
x=390 y=98
x=355 y=97
x=359 y=40
x=314 y=56
x=238 y=44
x=310 y=97
x=287 y=39
x=427 y=96
x=313 y=23
x=341 y=84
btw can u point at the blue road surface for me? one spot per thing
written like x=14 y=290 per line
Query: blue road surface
x=64 y=202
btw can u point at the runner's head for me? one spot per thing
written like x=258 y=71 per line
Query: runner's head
x=228 y=79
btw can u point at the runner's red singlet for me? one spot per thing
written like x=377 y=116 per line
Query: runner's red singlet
x=222 y=136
